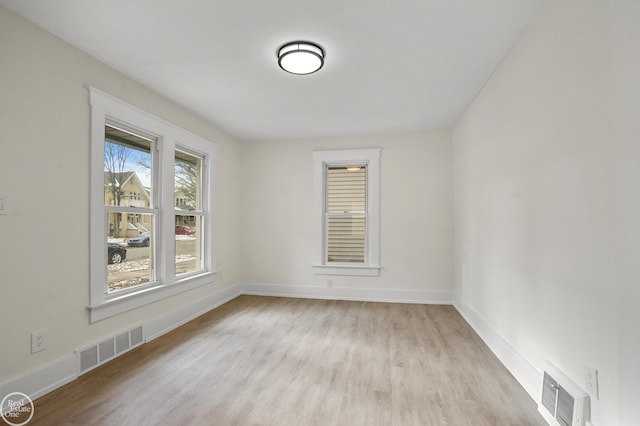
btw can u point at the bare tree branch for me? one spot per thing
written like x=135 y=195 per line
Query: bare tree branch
x=115 y=158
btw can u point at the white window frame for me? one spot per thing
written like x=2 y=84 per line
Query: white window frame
x=330 y=158
x=202 y=212
x=105 y=109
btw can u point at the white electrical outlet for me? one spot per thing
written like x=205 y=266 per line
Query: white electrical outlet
x=37 y=341
x=329 y=283
x=591 y=381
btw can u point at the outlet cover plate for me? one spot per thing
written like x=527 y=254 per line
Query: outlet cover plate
x=37 y=341
x=591 y=381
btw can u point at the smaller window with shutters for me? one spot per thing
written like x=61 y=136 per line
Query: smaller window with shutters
x=346 y=194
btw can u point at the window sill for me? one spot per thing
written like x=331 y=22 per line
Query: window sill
x=351 y=270
x=130 y=301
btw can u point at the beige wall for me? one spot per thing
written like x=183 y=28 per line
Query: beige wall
x=625 y=27
x=415 y=212
x=546 y=198
x=44 y=171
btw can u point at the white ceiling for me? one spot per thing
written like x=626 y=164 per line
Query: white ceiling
x=391 y=65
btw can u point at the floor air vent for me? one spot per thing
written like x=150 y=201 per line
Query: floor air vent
x=562 y=402
x=96 y=355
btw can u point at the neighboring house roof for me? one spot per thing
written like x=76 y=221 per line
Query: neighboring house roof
x=122 y=178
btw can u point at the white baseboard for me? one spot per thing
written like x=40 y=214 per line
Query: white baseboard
x=341 y=293
x=51 y=376
x=42 y=380
x=522 y=369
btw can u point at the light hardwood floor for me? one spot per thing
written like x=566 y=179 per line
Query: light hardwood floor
x=279 y=361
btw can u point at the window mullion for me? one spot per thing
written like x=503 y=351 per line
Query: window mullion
x=166 y=201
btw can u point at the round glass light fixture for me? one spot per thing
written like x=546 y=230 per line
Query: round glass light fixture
x=301 y=57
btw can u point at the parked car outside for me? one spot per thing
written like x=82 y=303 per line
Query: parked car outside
x=116 y=253
x=139 y=241
x=184 y=230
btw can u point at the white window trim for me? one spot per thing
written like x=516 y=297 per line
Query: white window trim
x=106 y=108
x=370 y=158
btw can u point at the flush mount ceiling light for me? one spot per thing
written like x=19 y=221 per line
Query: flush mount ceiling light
x=301 y=57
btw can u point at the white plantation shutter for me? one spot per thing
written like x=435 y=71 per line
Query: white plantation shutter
x=346 y=214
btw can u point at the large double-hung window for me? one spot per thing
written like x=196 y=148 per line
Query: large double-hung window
x=151 y=203
x=129 y=164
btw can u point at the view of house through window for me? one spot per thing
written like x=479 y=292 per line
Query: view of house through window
x=188 y=213
x=346 y=213
x=128 y=208
x=151 y=196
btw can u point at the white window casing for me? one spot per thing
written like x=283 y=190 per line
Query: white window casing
x=106 y=109
x=353 y=262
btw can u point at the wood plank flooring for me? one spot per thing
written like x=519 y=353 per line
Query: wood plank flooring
x=278 y=361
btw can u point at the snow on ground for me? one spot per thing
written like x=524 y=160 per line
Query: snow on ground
x=135 y=272
x=136 y=269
